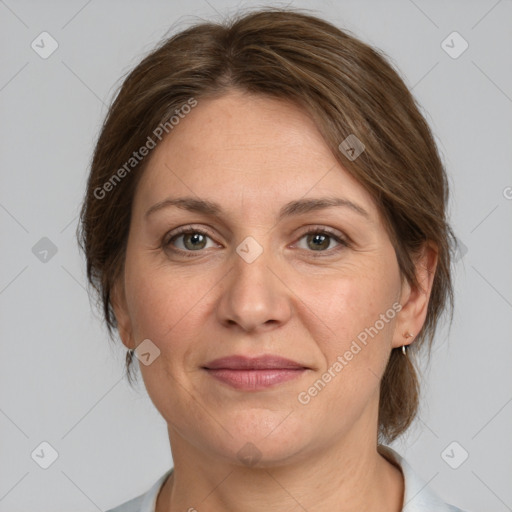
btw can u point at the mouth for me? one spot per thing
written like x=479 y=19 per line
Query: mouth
x=253 y=374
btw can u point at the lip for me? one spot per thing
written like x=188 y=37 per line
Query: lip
x=265 y=362
x=253 y=374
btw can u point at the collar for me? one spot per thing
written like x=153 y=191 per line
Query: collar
x=418 y=497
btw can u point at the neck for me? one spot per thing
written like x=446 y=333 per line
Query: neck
x=347 y=477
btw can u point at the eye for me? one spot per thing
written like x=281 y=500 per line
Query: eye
x=189 y=240
x=321 y=240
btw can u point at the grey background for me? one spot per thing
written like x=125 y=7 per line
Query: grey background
x=61 y=381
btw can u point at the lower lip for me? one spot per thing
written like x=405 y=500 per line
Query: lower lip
x=253 y=380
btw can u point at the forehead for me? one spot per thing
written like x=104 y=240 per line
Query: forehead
x=246 y=145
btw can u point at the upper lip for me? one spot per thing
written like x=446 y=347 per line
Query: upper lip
x=265 y=362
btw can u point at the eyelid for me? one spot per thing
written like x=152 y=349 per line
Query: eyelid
x=341 y=243
x=184 y=230
x=189 y=228
x=318 y=229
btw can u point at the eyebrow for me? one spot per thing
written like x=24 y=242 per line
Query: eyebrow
x=297 y=207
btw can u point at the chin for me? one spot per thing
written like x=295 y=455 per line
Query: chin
x=263 y=438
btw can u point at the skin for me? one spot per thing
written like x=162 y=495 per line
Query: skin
x=252 y=155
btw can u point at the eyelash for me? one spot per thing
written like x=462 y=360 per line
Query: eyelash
x=314 y=231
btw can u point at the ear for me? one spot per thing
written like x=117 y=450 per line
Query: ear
x=124 y=325
x=415 y=300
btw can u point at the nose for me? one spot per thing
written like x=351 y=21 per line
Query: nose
x=254 y=297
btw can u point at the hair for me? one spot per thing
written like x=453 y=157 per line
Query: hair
x=347 y=87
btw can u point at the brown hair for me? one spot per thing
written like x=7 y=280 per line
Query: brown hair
x=346 y=86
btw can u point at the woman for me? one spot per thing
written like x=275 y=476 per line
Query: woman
x=265 y=224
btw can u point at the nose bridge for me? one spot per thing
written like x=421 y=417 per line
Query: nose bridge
x=253 y=297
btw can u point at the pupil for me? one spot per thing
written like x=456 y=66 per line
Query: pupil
x=194 y=241
x=320 y=241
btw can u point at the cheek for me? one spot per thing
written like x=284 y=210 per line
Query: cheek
x=169 y=304
x=351 y=304
x=165 y=307
x=161 y=300
x=352 y=320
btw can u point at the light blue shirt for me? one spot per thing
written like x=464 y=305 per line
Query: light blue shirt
x=418 y=497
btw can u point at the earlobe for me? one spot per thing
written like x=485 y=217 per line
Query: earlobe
x=118 y=301
x=415 y=299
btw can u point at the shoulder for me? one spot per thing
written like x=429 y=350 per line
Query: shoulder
x=418 y=496
x=145 y=502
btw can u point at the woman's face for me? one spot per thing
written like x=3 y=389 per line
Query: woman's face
x=254 y=259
